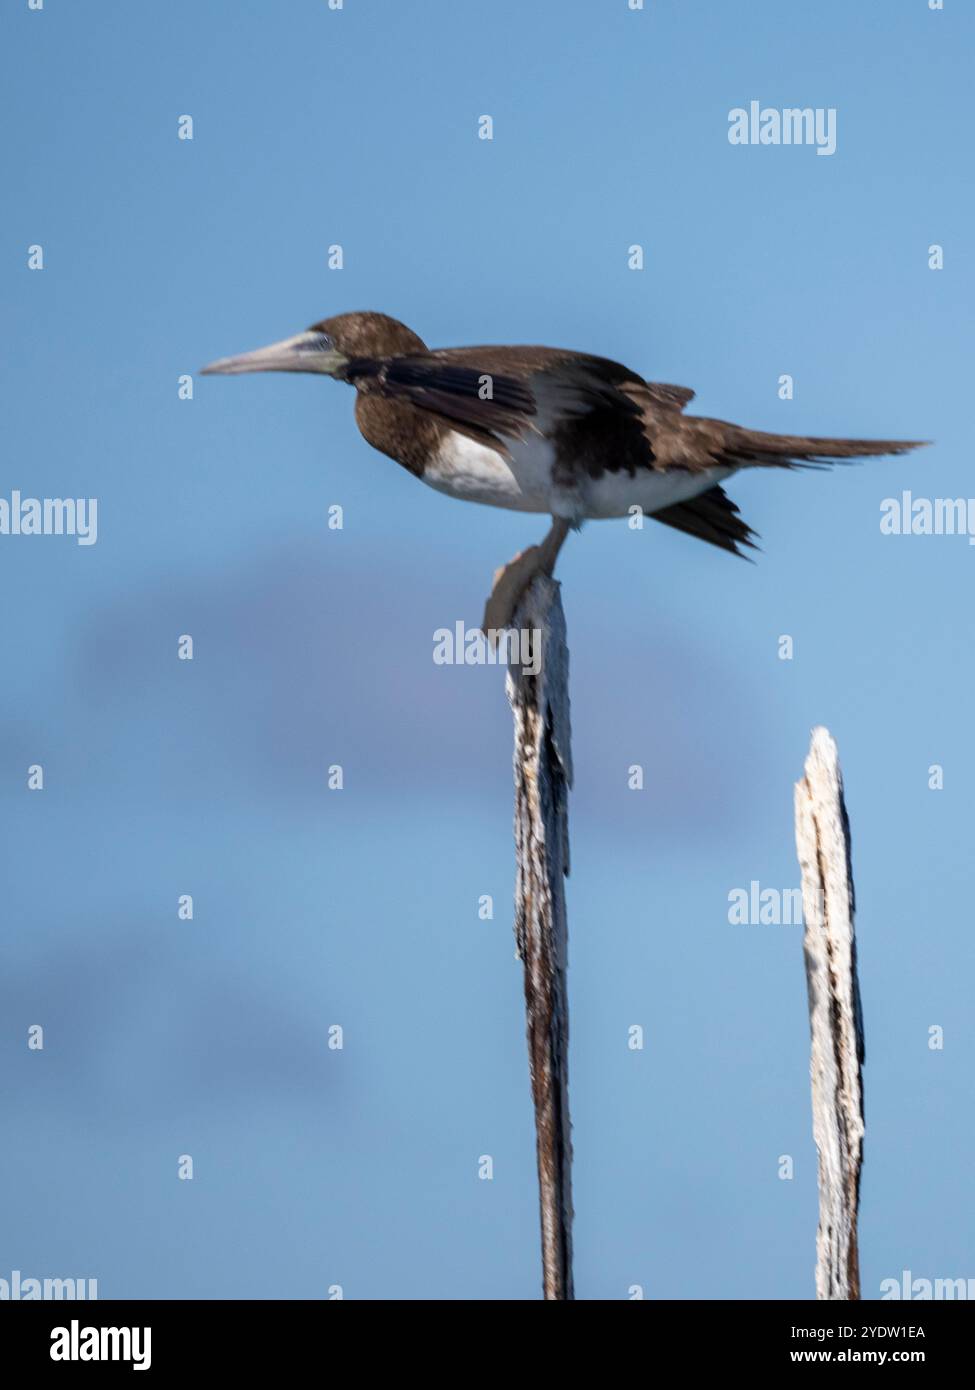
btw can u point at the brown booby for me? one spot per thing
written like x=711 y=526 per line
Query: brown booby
x=548 y=430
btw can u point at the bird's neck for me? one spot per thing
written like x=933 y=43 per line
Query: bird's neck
x=398 y=430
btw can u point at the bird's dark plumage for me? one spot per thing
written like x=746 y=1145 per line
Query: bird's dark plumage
x=712 y=517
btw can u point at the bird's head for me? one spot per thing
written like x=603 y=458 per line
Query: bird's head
x=327 y=347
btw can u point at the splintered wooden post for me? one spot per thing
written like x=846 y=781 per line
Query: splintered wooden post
x=538 y=690
x=835 y=1017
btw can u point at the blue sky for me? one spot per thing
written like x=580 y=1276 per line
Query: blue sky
x=358 y=127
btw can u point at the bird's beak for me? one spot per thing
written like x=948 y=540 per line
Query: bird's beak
x=306 y=352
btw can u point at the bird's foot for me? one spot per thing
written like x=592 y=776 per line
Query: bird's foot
x=511 y=582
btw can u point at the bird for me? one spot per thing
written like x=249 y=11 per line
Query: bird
x=568 y=434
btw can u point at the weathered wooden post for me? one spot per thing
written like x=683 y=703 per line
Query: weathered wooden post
x=835 y=1017
x=543 y=776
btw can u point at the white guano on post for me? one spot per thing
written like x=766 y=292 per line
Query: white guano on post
x=835 y=1016
x=543 y=776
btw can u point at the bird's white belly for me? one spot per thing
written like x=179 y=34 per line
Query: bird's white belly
x=476 y=473
x=523 y=482
x=616 y=494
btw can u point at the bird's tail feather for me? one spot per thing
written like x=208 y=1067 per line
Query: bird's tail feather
x=754 y=448
x=712 y=517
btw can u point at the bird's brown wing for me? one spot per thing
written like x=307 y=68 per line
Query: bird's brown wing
x=490 y=400
x=598 y=413
x=600 y=416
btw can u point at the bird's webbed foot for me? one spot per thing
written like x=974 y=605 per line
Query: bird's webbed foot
x=513 y=580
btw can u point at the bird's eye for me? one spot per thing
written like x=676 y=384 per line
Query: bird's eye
x=314 y=341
